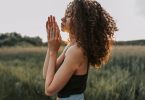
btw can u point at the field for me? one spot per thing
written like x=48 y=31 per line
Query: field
x=123 y=78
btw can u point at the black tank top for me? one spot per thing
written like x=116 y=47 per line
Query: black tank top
x=76 y=85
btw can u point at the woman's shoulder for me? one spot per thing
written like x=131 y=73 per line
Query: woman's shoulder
x=77 y=52
x=74 y=50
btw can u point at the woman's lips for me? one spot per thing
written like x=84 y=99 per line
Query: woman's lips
x=62 y=25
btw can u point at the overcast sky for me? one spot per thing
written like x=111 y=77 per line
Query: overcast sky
x=28 y=17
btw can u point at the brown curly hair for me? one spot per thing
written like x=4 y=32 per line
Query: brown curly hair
x=94 y=29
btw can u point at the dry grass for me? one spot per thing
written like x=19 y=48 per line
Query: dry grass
x=129 y=49
x=25 y=49
x=120 y=79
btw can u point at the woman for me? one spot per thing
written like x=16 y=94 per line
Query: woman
x=91 y=31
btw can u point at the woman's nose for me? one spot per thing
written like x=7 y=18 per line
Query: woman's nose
x=63 y=19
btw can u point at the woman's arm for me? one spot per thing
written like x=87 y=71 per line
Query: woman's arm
x=52 y=32
x=51 y=69
x=61 y=57
x=45 y=66
x=58 y=63
x=54 y=42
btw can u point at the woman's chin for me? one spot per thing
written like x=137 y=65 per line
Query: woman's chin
x=62 y=29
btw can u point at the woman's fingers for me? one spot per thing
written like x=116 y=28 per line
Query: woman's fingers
x=46 y=25
x=51 y=27
x=48 y=34
x=48 y=28
x=50 y=20
x=58 y=31
x=53 y=31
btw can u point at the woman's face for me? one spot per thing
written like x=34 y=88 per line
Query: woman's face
x=66 y=21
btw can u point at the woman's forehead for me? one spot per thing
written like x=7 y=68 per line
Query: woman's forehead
x=69 y=7
x=68 y=10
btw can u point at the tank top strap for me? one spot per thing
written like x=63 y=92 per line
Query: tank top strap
x=66 y=48
x=65 y=51
x=88 y=67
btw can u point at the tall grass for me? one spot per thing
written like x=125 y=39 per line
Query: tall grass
x=121 y=79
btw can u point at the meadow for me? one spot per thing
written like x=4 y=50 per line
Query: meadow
x=123 y=78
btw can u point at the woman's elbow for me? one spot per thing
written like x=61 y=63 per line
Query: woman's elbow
x=49 y=93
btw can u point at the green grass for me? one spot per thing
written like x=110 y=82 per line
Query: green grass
x=121 y=79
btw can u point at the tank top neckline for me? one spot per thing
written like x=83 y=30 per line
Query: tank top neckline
x=80 y=75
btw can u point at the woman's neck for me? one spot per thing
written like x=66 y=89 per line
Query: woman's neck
x=72 y=39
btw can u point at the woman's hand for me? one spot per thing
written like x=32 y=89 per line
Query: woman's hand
x=53 y=34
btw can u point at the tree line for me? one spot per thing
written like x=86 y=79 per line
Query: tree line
x=15 y=39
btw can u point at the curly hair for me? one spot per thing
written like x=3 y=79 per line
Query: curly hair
x=94 y=30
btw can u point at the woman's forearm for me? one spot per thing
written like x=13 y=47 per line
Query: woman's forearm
x=50 y=70
x=45 y=66
x=61 y=57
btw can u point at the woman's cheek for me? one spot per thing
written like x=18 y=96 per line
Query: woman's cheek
x=69 y=25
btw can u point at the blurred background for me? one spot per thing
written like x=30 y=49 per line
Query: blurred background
x=23 y=46
x=28 y=17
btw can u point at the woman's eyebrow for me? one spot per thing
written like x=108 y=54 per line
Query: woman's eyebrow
x=67 y=13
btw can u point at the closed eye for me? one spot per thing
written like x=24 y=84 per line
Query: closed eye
x=67 y=16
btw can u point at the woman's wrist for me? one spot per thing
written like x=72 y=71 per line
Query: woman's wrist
x=51 y=53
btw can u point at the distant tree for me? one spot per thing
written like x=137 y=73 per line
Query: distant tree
x=37 y=41
x=132 y=42
x=13 y=39
x=63 y=43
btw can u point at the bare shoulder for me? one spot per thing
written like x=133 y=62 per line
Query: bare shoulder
x=75 y=50
x=75 y=53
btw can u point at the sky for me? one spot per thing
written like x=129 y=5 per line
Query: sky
x=28 y=17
